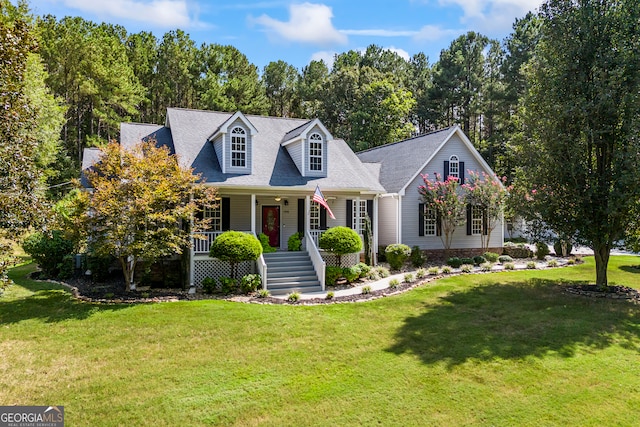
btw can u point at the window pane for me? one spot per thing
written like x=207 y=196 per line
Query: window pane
x=429 y=222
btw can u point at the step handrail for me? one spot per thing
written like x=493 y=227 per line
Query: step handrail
x=316 y=259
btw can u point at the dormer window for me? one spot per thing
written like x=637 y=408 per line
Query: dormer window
x=315 y=152
x=238 y=147
x=454 y=167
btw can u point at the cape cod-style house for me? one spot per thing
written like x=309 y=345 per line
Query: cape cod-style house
x=266 y=170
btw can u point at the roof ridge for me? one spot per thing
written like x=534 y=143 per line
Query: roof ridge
x=231 y=113
x=406 y=140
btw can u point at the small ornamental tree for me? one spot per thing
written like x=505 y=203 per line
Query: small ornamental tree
x=490 y=195
x=340 y=241
x=445 y=199
x=140 y=202
x=235 y=247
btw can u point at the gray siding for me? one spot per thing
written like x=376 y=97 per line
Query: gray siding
x=387 y=221
x=217 y=146
x=411 y=200
x=325 y=149
x=295 y=151
x=227 y=142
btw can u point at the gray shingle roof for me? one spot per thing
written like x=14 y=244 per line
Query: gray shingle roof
x=90 y=157
x=400 y=161
x=272 y=165
x=132 y=133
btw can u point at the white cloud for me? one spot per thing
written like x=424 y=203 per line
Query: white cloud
x=327 y=56
x=379 y=33
x=400 y=52
x=492 y=15
x=433 y=33
x=308 y=23
x=163 y=13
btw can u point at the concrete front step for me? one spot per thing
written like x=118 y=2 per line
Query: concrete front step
x=291 y=272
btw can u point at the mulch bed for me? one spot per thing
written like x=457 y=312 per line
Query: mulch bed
x=612 y=292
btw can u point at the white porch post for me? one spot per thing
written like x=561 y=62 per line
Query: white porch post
x=307 y=213
x=399 y=221
x=192 y=253
x=253 y=214
x=375 y=230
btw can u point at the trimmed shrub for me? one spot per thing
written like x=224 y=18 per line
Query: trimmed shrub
x=397 y=254
x=340 y=241
x=491 y=256
x=433 y=270
x=264 y=242
x=454 y=262
x=209 y=285
x=509 y=266
x=504 y=259
x=49 y=251
x=250 y=283
x=467 y=260
x=466 y=268
x=517 y=250
x=351 y=274
x=479 y=259
x=295 y=242
x=235 y=247
x=228 y=285
x=332 y=274
x=557 y=247
x=417 y=257
x=542 y=250
x=446 y=269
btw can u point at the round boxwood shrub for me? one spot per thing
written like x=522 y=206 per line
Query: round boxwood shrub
x=557 y=247
x=235 y=247
x=491 y=256
x=417 y=257
x=397 y=254
x=479 y=259
x=351 y=273
x=331 y=275
x=340 y=241
x=542 y=250
x=504 y=259
x=454 y=262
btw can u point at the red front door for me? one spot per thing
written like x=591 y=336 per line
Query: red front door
x=271 y=224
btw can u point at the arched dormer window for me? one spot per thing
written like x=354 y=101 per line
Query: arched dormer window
x=454 y=167
x=238 y=147
x=315 y=152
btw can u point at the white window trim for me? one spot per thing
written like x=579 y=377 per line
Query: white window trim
x=454 y=160
x=314 y=217
x=359 y=211
x=476 y=220
x=215 y=214
x=316 y=138
x=430 y=218
x=242 y=135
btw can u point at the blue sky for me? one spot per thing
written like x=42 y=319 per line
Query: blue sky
x=297 y=32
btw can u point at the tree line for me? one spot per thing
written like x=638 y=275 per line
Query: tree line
x=102 y=75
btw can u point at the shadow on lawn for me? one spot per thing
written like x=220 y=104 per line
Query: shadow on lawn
x=514 y=321
x=49 y=302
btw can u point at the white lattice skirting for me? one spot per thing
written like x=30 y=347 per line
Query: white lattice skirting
x=347 y=260
x=216 y=269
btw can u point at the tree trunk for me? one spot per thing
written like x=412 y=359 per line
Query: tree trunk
x=601 y=253
x=125 y=271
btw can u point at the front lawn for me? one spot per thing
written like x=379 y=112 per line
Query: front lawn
x=489 y=349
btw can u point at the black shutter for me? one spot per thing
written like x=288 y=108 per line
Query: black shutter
x=301 y=212
x=439 y=224
x=446 y=170
x=323 y=218
x=421 y=219
x=485 y=222
x=469 y=217
x=226 y=213
x=350 y=213
x=370 y=210
x=461 y=172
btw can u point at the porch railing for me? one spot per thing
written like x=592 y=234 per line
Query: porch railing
x=314 y=235
x=261 y=265
x=316 y=259
x=201 y=246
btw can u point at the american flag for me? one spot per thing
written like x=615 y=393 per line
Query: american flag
x=319 y=198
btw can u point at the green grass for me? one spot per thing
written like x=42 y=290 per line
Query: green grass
x=494 y=349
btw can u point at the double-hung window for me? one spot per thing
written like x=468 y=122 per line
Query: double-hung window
x=476 y=220
x=315 y=152
x=359 y=215
x=314 y=216
x=429 y=221
x=214 y=215
x=238 y=147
